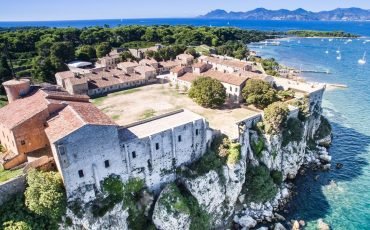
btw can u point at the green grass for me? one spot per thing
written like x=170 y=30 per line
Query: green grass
x=9 y=174
x=98 y=101
x=124 y=92
x=3 y=101
x=115 y=116
x=147 y=114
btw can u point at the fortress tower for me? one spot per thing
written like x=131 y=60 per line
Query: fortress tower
x=16 y=88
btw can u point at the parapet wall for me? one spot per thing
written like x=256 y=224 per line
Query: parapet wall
x=9 y=188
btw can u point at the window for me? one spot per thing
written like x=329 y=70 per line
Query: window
x=62 y=150
x=156 y=146
x=236 y=89
x=231 y=89
x=133 y=154
x=23 y=142
x=179 y=138
x=80 y=173
x=106 y=163
x=196 y=132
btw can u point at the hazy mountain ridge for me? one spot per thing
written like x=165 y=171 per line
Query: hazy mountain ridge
x=340 y=14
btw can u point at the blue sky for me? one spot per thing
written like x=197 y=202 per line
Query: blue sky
x=34 y=10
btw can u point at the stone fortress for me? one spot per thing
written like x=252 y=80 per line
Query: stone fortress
x=59 y=122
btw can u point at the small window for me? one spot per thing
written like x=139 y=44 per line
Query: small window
x=196 y=132
x=231 y=89
x=62 y=150
x=23 y=142
x=236 y=89
x=106 y=163
x=179 y=138
x=156 y=146
x=81 y=173
x=133 y=154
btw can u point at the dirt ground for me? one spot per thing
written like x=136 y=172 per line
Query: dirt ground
x=128 y=106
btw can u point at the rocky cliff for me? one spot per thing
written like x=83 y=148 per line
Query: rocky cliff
x=216 y=193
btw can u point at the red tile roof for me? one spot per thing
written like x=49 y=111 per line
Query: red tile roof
x=65 y=74
x=225 y=77
x=189 y=77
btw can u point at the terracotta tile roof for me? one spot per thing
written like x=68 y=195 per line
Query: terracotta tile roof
x=225 y=77
x=77 y=81
x=65 y=74
x=226 y=62
x=21 y=110
x=199 y=65
x=169 y=64
x=177 y=69
x=189 y=77
x=74 y=116
x=142 y=69
x=148 y=62
x=184 y=56
x=127 y=64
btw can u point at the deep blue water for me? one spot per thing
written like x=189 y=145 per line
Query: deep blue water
x=361 y=28
x=344 y=203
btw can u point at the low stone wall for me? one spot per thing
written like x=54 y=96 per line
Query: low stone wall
x=12 y=187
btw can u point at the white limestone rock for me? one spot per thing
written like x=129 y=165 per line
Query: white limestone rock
x=166 y=216
x=321 y=225
x=279 y=226
x=247 y=222
x=115 y=219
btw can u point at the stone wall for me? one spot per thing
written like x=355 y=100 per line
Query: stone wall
x=12 y=187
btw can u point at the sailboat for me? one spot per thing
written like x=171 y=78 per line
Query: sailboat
x=338 y=51
x=362 y=60
x=339 y=57
x=327 y=51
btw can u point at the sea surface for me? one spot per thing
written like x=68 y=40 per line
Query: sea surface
x=341 y=197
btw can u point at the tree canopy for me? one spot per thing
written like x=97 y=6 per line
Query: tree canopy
x=259 y=93
x=275 y=116
x=208 y=92
x=53 y=47
x=45 y=194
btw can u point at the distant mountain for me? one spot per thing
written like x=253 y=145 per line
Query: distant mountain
x=340 y=14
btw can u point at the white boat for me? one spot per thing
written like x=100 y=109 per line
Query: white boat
x=338 y=51
x=339 y=57
x=327 y=51
x=362 y=61
x=330 y=40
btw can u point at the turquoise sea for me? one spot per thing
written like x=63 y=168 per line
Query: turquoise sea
x=341 y=196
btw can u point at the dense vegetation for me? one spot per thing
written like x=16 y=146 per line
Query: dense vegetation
x=293 y=131
x=259 y=93
x=313 y=33
x=40 y=52
x=275 y=116
x=259 y=185
x=41 y=207
x=270 y=66
x=208 y=92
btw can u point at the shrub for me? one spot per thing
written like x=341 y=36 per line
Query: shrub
x=14 y=213
x=303 y=105
x=208 y=92
x=234 y=154
x=284 y=95
x=174 y=201
x=293 y=131
x=113 y=186
x=324 y=129
x=223 y=148
x=19 y=225
x=257 y=147
x=259 y=184
x=209 y=161
x=275 y=116
x=259 y=93
x=277 y=177
x=45 y=194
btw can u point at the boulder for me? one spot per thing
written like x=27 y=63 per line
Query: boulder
x=295 y=225
x=325 y=158
x=279 y=226
x=321 y=225
x=247 y=222
x=279 y=217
